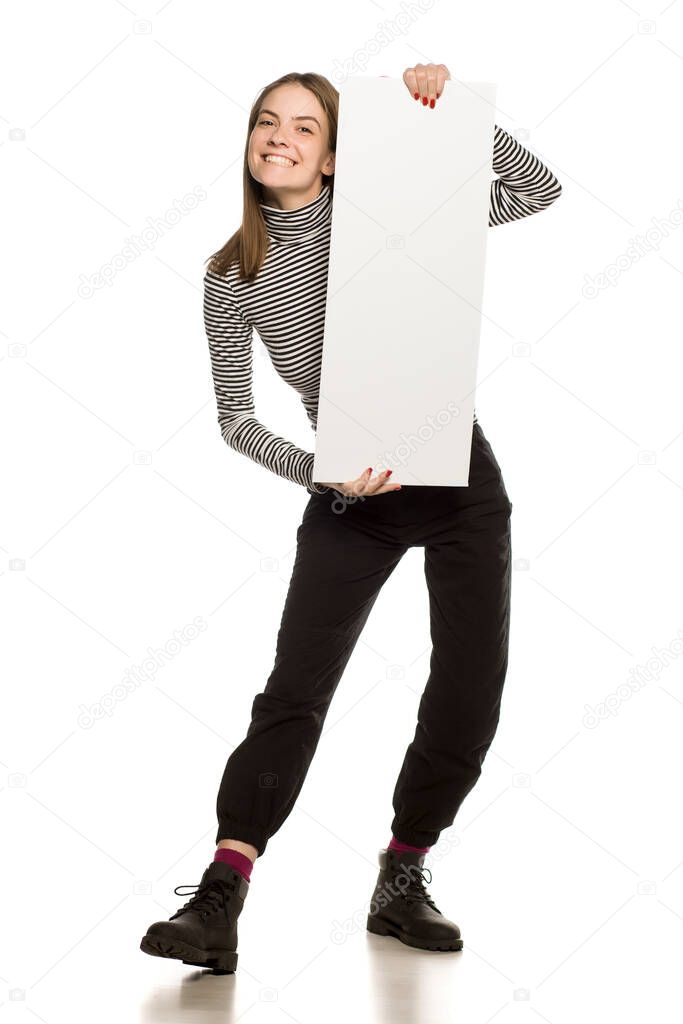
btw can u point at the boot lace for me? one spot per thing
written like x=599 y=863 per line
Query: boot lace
x=208 y=898
x=415 y=891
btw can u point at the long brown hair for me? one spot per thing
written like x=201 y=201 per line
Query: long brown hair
x=249 y=244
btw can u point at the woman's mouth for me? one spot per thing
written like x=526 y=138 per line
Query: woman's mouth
x=281 y=161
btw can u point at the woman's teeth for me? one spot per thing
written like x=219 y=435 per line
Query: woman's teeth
x=283 y=161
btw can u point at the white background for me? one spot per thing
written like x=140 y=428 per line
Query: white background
x=563 y=867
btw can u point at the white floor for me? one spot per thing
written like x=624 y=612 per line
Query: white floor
x=556 y=925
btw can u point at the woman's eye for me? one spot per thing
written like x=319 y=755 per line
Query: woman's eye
x=266 y=120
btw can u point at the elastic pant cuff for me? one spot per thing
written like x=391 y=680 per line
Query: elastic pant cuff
x=229 y=828
x=414 y=837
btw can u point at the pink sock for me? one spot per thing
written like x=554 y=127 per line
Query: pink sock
x=236 y=860
x=404 y=848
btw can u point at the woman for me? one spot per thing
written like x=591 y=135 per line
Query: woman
x=272 y=276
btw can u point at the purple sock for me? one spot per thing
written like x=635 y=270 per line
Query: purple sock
x=404 y=848
x=236 y=860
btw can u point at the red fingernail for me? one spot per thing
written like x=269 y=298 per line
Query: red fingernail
x=431 y=103
x=389 y=472
x=425 y=101
x=417 y=95
x=369 y=469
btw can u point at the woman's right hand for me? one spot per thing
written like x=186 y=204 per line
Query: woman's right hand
x=365 y=486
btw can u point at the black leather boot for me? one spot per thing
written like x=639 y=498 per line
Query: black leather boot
x=402 y=907
x=204 y=931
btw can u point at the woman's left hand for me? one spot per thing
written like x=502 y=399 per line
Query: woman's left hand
x=426 y=81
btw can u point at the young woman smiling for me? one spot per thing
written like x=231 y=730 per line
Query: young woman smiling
x=271 y=276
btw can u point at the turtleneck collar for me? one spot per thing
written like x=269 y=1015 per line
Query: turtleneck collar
x=302 y=224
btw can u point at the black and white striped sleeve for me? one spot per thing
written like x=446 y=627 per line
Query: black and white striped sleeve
x=230 y=339
x=525 y=185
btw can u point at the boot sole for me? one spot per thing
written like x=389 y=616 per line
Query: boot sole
x=380 y=927
x=220 y=961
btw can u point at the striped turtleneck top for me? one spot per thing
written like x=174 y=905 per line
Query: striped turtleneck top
x=285 y=304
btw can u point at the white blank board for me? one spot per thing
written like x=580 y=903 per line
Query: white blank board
x=405 y=284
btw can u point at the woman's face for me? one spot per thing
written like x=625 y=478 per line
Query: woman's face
x=292 y=126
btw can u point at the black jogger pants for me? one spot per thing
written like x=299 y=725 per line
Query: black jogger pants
x=346 y=549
